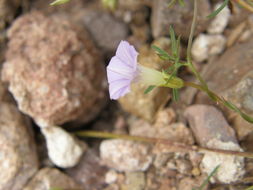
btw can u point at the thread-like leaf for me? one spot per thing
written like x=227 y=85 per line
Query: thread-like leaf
x=205 y=182
x=162 y=54
x=175 y=94
x=217 y=11
x=149 y=89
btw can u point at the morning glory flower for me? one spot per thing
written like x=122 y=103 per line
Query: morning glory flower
x=123 y=69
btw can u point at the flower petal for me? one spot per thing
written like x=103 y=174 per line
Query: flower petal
x=119 y=88
x=118 y=70
x=127 y=54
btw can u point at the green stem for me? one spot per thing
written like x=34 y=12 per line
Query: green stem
x=189 y=47
x=244 y=5
x=179 y=146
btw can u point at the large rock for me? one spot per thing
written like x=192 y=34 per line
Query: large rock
x=53 y=70
x=49 y=178
x=147 y=105
x=18 y=158
x=100 y=25
x=230 y=76
x=208 y=123
x=212 y=130
x=180 y=17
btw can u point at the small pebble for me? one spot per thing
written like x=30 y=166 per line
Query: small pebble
x=125 y=155
x=220 y=21
x=63 y=149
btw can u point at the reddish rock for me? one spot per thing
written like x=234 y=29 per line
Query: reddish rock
x=18 y=157
x=208 y=123
x=53 y=70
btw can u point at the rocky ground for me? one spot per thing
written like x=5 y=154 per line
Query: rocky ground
x=53 y=83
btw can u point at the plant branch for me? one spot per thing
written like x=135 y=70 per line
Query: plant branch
x=179 y=146
x=244 y=5
x=189 y=47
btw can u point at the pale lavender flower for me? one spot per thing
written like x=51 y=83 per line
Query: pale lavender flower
x=122 y=70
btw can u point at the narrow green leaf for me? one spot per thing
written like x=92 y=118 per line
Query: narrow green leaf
x=178 y=48
x=175 y=95
x=162 y=54
x=173 y=42
x=149 y=89
x=217 y=11
x=59 y=2
x=236 y=109
x=205 y=182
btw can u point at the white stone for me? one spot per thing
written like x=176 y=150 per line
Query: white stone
x=231 y=167
x=220 y=21
x=205 y=45
x=111 y=177
x=124 y=155
x=63 y=149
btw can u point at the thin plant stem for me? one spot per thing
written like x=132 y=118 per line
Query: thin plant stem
x=178 y=146
x=189 y=47
x=244 y=5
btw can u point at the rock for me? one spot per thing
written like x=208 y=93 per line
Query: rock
x=189 y=183
x=100 y=25
x=222 y=74
x=206 y=45
x=231 y=167
x=48 y=178
x=111 y=176
x=18 y=158
x=184 y=166
x=208 y=123
x=227 y=74
x=63 y=149
x=135 y=181
x=133 y=4
x=89 y=172
x=155 y=182
x=180 y=17
x=5 y=96
x=212 y=130
x=146 y=105
x=220 y=21
x=51 y=67
x=177 y=132
x=165 y=117
x=241 y=95
x=124 y=155
x=8 y=11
